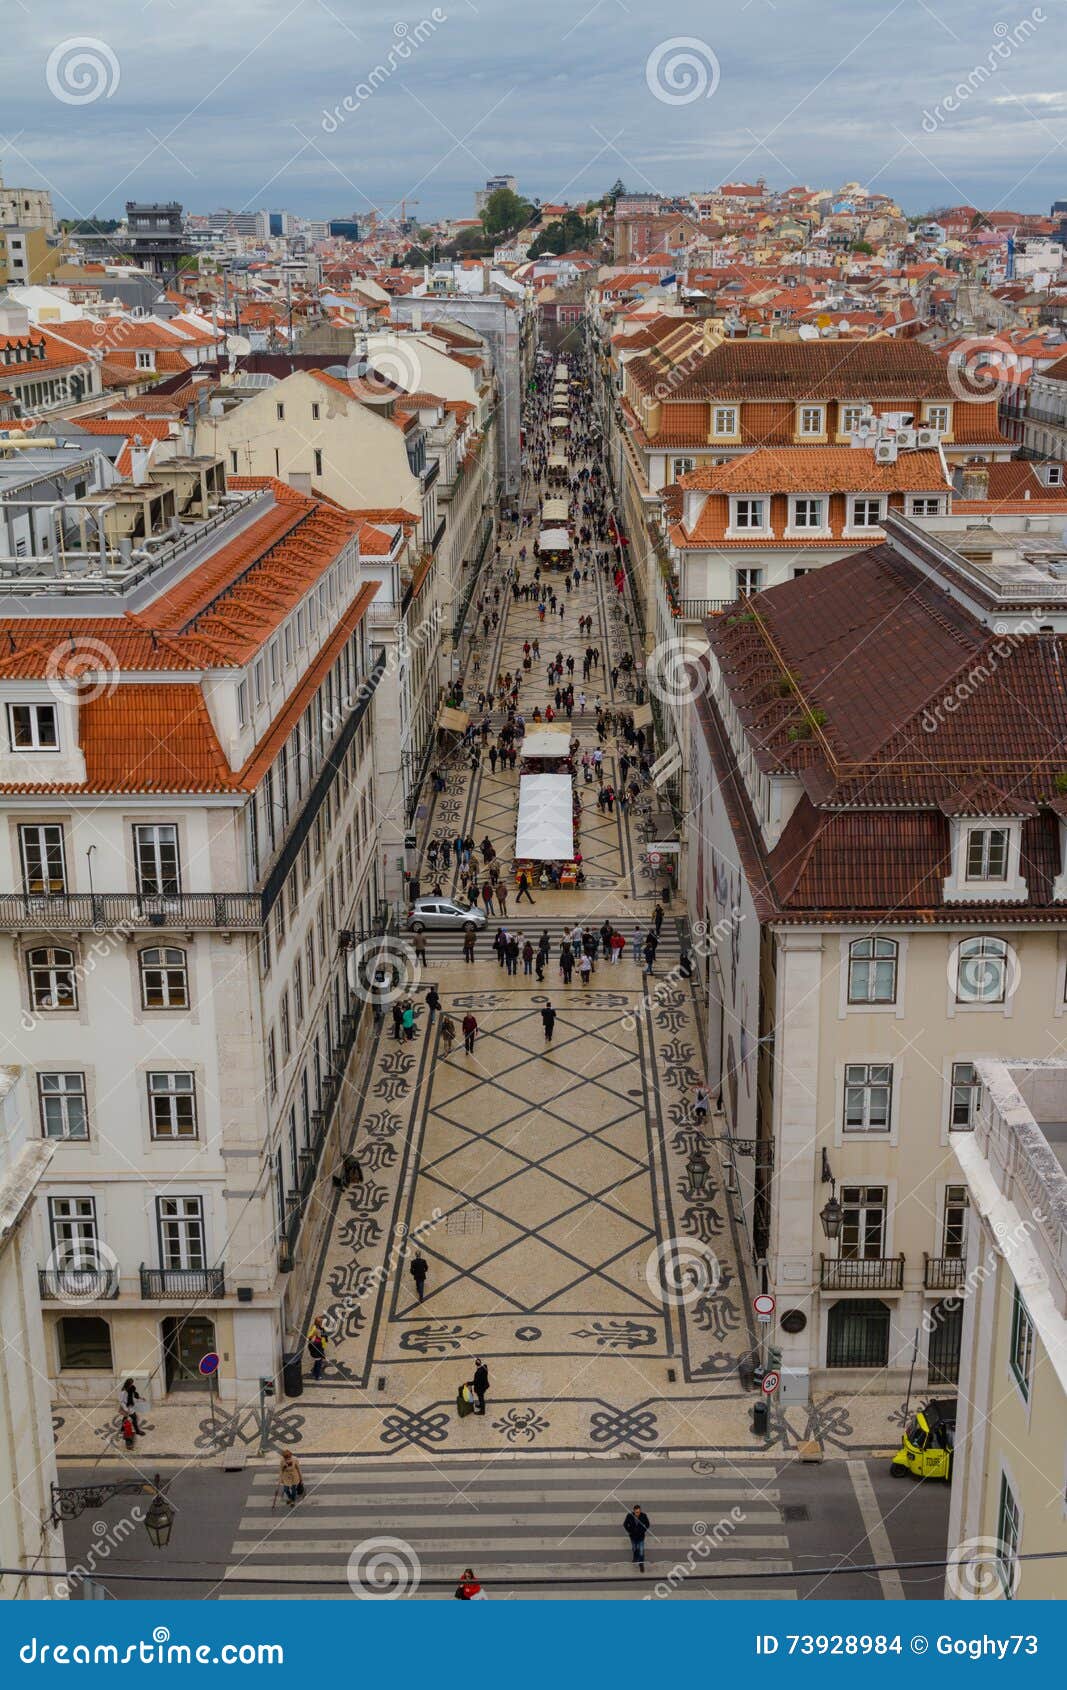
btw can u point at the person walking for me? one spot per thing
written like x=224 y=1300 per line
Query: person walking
x=408 y=1019
x=433 y=1004
x=638 y=942
x=468 y=947
x=650 y=954
x=398 y=1020
x=468 y=1589
x=636 y=1526
x=548 y=1022
x=585 y=967
x=513 y=954
x=527 y=957
x=129 y=1398
x=470 y=1033
x=290 y=1478
x=448 y=1033
x=524 y=889
x=657 y=917
x=317 y=1347
x=419 y=946
x=480 y=1384
x=700 y=1105
x=418 y=1270
x=502 y=899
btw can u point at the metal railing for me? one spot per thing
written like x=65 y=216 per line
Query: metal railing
x=877 y=1273
x=942 y=1273
x=78 y=1284
x=697 y=610
x=100 y=911
x=183 y=1282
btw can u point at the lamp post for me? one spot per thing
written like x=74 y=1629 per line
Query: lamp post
x=698 y=1168
x=68 y=1501
x=831 y=1214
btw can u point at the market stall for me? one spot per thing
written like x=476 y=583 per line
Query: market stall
x=546 y=834
x=547 y=751
x=553 y=546
x=557 y=466
x=555 y=513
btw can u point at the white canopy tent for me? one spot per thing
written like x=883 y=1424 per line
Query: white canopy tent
x=554 y=511
x=545 y=831
x=561 y=370
x=554 y=540
x=560 y=424
x=546 y=742
x=558 y=461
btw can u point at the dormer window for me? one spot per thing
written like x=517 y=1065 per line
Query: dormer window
x=724 y=419
x=937 y=416
x=808 y=513
x=749 y=514
x=811 y=420
x=987 y=853
x=865 y=513
x=33 y=727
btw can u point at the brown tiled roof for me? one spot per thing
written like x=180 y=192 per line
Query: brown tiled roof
x=820 y=469
x=818 y=370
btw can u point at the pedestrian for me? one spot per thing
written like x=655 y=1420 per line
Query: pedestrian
x=585 y=967
x=419 y=1269
x=129 y=1436
x=470 y=1033
x=638 y=942
x=398 y=1020
x=618 y=945
x=448 y=1033
x=700 y=1105
x=290 y=1478
x=650 y=954
x=636 y=1525
x=433 y=1004
x=317 y=1347
x=468 y=946
x=408 y=1019
x=502 y=899
x=468 y=1589
x=129 y=1397
x=480 y=1384
x=527 y=957
x=685 y=965
x=420 y=946
x=657 y=916
x=513 y=955
x=524 y=888
x=548 y=1022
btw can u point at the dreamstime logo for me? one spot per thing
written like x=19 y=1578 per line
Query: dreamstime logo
x=681 y=1271
x=1007 y=642
x=380 y=1569
x=980 y=369
x=107 y=1538
x=984 y=970
x=983 y=1570
x=80 y=1274
x=408 y=38
x=376 y=376
x=381 y=971
x=1007 y=37
x=676 y=672
x=88 y=665
x=82 y=70
x=682 y=70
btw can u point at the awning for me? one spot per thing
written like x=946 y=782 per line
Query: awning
x=545 y=830
x=560 y=423
x=557 y=461
x=554 y=540
x=546 y=742
x=642 y=715
x=555 y=510
x=561 y=369
x=456 y=721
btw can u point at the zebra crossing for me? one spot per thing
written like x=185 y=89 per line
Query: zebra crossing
x=559 y=1524
x=528 y=920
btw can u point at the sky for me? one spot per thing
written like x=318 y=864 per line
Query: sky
x=327 y=108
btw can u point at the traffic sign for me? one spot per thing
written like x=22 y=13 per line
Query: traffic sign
x=770 y=1383
x=763 y=1304
x=209 y=1364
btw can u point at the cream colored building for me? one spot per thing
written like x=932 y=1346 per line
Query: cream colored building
x=1008 y=1495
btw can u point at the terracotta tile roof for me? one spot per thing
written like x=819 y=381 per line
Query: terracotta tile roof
x=802 y=469
x=1011 y=483
x=887 y=369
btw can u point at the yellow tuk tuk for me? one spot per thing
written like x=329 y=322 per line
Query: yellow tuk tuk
x=928 y=1441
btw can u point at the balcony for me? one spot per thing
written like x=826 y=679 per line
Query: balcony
x=84 y=912
x=876 y=1273
x=438 y=536
x=942 y=1273
x=183 y=1283
x=78 y=1284
x=698 y=610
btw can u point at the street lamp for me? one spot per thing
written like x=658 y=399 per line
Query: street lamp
x=698 y=1168
x=159 y=1520
x=832 y=1213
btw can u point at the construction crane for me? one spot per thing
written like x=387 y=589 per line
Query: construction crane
x=404 y=209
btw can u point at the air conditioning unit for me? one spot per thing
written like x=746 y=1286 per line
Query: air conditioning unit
x=885 y=452
x=927 y=438
x=905 y=437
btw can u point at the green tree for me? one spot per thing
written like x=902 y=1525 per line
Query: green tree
x=505 y=212
x=565 y=235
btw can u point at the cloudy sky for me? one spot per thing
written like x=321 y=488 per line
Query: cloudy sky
x=329 y=107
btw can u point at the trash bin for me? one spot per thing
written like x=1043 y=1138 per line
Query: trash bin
x=760 y=1418
x=293 y=1373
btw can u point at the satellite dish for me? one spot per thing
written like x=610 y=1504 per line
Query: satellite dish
x=237 y=345
x=807 y=332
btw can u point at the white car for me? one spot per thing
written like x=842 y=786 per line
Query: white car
x=444 y=914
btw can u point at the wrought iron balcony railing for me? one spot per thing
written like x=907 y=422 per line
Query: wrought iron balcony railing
x=876 y=1273
x=84 y=912
x=183 y=1282
x=78 y=1284
x=943 y=1273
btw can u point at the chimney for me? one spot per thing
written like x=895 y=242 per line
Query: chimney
x=974 y=483
x=139 y=461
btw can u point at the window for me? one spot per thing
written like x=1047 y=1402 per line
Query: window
x=156 y=855
x=146 y=360
x=862 y=1236
x=812 y=419
x=872 y=971
x=43 y=865
x=181 y=1232
x=987 y=853
x=164 y=978
x=63 y=1108
x=287 y=642
x=865 y=513
x=868 y=1096
x=749 y=513
x=748 y=581
x=33 y=727
x=1054 y=475
x=1008 y=1533
x=851 y=417
x=259 y=682
x=280 y=412
x=73 y=1226
x=937 y=417
x=315 y=411
x=1021 y=1353
x=954 y=1222
x=52 y=980
x=242 y=704
x=966 y=1096
x=286 y=1026
x=926 y=507
x=233 y=463
x=318 y=461
x=981 y=971
x=808 y=513
x=272 y=1064
x=84 y=1342
x=309 y=953
x=172 y=1105
x=724 y=419
x=682 y=466
x=298 y=991
x=275 y=672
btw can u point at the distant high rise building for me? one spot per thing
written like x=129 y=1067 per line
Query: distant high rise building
x=345 y=227
x=493 y=183
x=156 y=237
x=26 y=208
